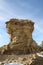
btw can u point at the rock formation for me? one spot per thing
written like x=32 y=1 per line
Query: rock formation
x=20 y=59
x=41 y=44
x=21 y=42
x=38 y=61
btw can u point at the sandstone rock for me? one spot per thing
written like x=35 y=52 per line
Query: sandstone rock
x=37 y=61
x=21 y=59
x=21 y=42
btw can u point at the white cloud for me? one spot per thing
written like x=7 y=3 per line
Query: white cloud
x=38 y=27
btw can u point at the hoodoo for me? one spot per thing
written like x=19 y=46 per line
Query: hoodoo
x=20 y=32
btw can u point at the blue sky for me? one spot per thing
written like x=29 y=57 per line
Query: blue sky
x=21 y=9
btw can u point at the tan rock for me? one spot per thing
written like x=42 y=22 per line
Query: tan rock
x=21 y=42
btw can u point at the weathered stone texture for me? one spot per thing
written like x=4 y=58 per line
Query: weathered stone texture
x=20 y=29
x=38 y=61
x=21 y=41
x=20 y=32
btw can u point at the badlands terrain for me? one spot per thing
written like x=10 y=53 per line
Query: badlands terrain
x=21 y=48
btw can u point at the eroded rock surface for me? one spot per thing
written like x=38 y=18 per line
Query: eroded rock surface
x=21 y=48
x=21 y=42
x=21 y=59
x=38 y=61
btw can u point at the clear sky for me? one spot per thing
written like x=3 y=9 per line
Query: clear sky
x=21 y=9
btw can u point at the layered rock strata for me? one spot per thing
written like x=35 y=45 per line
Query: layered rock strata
x=21 y=42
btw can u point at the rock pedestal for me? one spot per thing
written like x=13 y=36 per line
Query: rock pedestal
x=20 y=32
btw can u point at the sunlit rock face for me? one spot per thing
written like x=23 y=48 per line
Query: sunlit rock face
x=20 y=32
x=20 y=29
